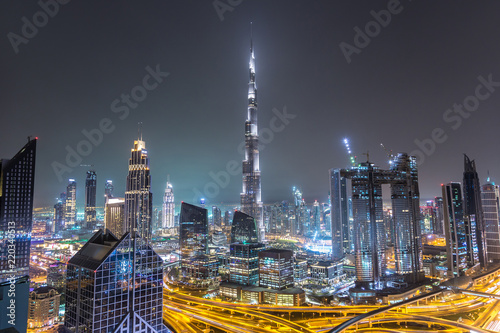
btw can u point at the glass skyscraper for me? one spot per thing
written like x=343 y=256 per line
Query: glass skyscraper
x=114 y=285
x=490 y=200
x=197 y=265
x=138 y=196
x=473 y=211
x=459 y=252
x=70 y=203
x=341 y=242
x=168 y=208
x=17 y=180
x=244 y=229
x=90 y=199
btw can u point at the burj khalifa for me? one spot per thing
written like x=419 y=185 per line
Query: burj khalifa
x=251 y=203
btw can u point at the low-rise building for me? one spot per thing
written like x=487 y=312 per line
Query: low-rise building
x=43 y=308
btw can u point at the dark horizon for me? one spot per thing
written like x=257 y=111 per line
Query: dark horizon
x=396 y=89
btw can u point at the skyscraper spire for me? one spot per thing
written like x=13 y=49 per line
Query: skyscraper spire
x=251 y=203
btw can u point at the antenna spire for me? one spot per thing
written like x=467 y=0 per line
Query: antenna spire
x=139 y=134
x=251 y=37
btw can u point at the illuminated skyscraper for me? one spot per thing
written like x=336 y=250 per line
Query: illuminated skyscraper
x=108 y=189
x=17 y=180
x=459 y=252
x=114 y=216
x=106 y=292
x=438 y=227
x=244 y=229
x=197 y=265
x=90 y=199
x=473 y=211
x=406 y=214
x=138 y=196
x=251 y=203
x=216 y=217
x=316 y=221
x=297 y=220
x=168 y=209
x=490 y=199
x=341 y=241
x=71 y=203
x=59 y=214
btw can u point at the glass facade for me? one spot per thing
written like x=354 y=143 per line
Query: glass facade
x=456 y=233
x=473 y=212
x=17 y=177
x=107 y=292
x=490 y=200
x=276 y=269
x=138 y=196
x=244 y=229
x=90 y=199
x=244 y=263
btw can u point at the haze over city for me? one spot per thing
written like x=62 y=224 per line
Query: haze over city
x=394 y=90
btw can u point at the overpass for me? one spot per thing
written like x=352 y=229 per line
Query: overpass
x=357 y=319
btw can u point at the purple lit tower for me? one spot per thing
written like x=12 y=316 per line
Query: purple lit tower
x=251 y=203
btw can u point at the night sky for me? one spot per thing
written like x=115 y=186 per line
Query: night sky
x=396 y=89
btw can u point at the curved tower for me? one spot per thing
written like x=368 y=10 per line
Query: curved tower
x=251 y=203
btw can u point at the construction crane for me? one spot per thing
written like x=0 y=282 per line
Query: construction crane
x=388 y=152
x=352 y=158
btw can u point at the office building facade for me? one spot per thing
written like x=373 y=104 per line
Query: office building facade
x=17 y=180
x=90 y=219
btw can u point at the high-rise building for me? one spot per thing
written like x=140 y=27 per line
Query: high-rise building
x=459 y=251
x=17 y=180
x=438 y=227
x=59 y=215
x=114 y=216
x=473 y=210
x=168 y=208
x=298 y=218
x=370 y=238
x=244 y=263
x=276 y=269
x=341 y=241
x=138 y=196
x=107 y=292
x=244 y=229
x=216 y=216
x=251 y=202
x=490 y=200
x=108 y=189
x=316 y=220
x=406 y=214
x=197 y=265
x=90 y=200
x=71 y=203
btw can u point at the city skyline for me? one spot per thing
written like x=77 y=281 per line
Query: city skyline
x=331 y=98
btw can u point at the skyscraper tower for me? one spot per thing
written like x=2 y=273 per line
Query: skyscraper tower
x=17 y=180
x=168 y=209
x=138 y=196
x=251 y=203
x=406 y=213
x=490 y=200
x=459 y=252
x=90 y=199
x=71 y=203
x=316 y=222
x=474 y=210
x=108 y=189
x=341 y=241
